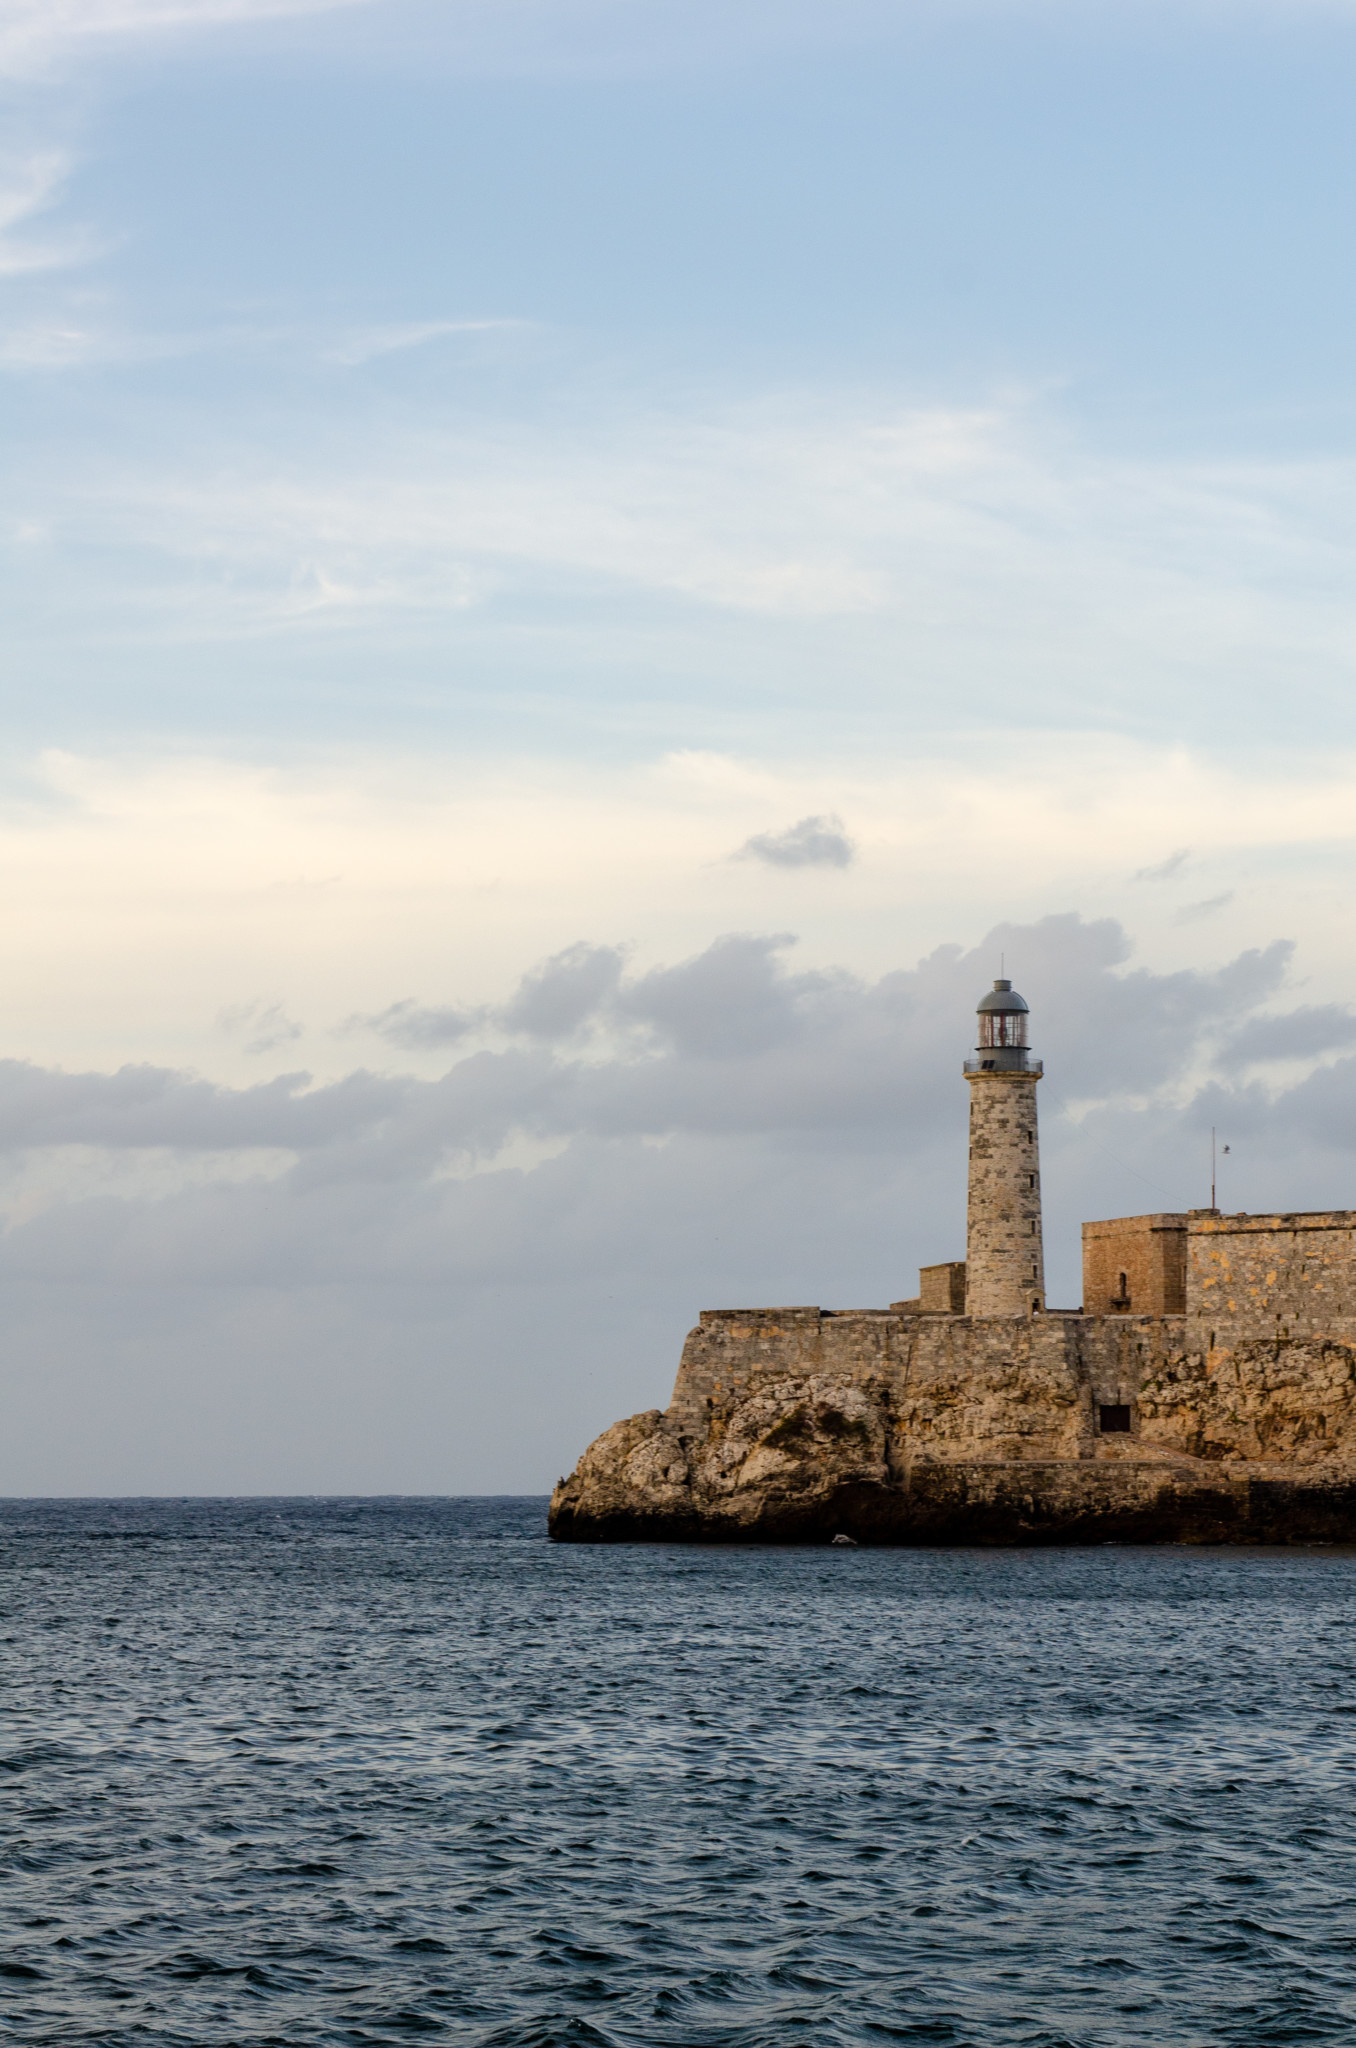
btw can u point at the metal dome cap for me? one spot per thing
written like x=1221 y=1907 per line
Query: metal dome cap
x=1002 y=1000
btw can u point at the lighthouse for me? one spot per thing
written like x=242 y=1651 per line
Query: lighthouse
x=1004 y=1257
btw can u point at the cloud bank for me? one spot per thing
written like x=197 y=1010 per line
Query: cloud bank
x=513 y=1249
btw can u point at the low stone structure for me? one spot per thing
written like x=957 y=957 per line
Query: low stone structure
x=1135 y=1263
x=1208 y=1394
x=1284 y=1276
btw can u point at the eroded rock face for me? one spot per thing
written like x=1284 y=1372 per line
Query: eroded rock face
x=1292 y=1400
x=795 y=1443
x=792 y=1426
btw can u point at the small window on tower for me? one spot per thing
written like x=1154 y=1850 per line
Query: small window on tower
x=1113 y=1418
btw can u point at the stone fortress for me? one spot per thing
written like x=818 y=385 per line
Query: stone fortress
x=1205 y=1390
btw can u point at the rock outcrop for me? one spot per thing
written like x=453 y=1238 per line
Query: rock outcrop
x=796 y=1426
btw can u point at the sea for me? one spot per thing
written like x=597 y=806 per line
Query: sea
x=394 y=1771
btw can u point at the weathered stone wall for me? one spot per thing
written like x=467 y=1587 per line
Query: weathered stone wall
x=956 y=1386
x=1135 y=1265
x=1254 y=1277
x=941 y=1289
x=787 y=1424
x=1004 y=1256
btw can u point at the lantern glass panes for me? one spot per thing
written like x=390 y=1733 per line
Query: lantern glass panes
x=1002 y=1028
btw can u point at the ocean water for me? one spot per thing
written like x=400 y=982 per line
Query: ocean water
x=391 y=1771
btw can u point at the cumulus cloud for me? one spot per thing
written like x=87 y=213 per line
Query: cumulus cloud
x=554 y=1000
x=818 y=842
x=1300 y=1034
x=733 y=1040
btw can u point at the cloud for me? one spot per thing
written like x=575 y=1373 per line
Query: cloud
x=265 y=1027
x=1178 y=583
x=416 y=1027
x=36 y=35
x=1192 y=913
x=29 y=187
x=1165 y=870
x=731 y=1040
x=554 y=1000
x=366 y=344
x=1301 y=1034
x=400 y=1299
x=818 y=842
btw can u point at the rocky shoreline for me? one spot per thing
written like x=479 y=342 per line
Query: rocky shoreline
x=984 y=1433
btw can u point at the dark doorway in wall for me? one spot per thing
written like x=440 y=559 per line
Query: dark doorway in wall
x=1113 y=1419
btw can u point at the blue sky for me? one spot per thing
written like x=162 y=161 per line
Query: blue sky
x=340 y=260
x=479 y=477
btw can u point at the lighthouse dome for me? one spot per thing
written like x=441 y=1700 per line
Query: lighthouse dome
x=1002 y=1000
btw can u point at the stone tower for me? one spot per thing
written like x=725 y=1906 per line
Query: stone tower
x=1004 y=1257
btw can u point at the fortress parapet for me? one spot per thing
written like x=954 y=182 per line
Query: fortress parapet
x=1282 y=1275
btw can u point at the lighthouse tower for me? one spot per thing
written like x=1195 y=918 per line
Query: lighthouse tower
x=1004 y=1258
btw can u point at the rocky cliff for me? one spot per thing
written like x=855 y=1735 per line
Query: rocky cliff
x=798 y=1425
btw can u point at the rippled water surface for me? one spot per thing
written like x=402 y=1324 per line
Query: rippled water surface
x=377 y=1771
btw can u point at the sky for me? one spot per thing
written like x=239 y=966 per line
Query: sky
x=578 y=576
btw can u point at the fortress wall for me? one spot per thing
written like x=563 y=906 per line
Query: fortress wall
x=789 y=1425
x=953 y=1386
x=733 y=1351
x=1026 y=1387
x=1149 y=1251
x=1253 y=1277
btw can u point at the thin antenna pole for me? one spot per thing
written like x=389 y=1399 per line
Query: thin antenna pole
x=1212 y=1166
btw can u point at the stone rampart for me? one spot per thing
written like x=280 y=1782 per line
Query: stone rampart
x=958 y=1386
x=1279 y=1276
x=788 y=1424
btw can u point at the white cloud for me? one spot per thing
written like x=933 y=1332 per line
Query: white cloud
x=29 y=187
x=959 y=550
x=36 y=34
x=365 y=344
